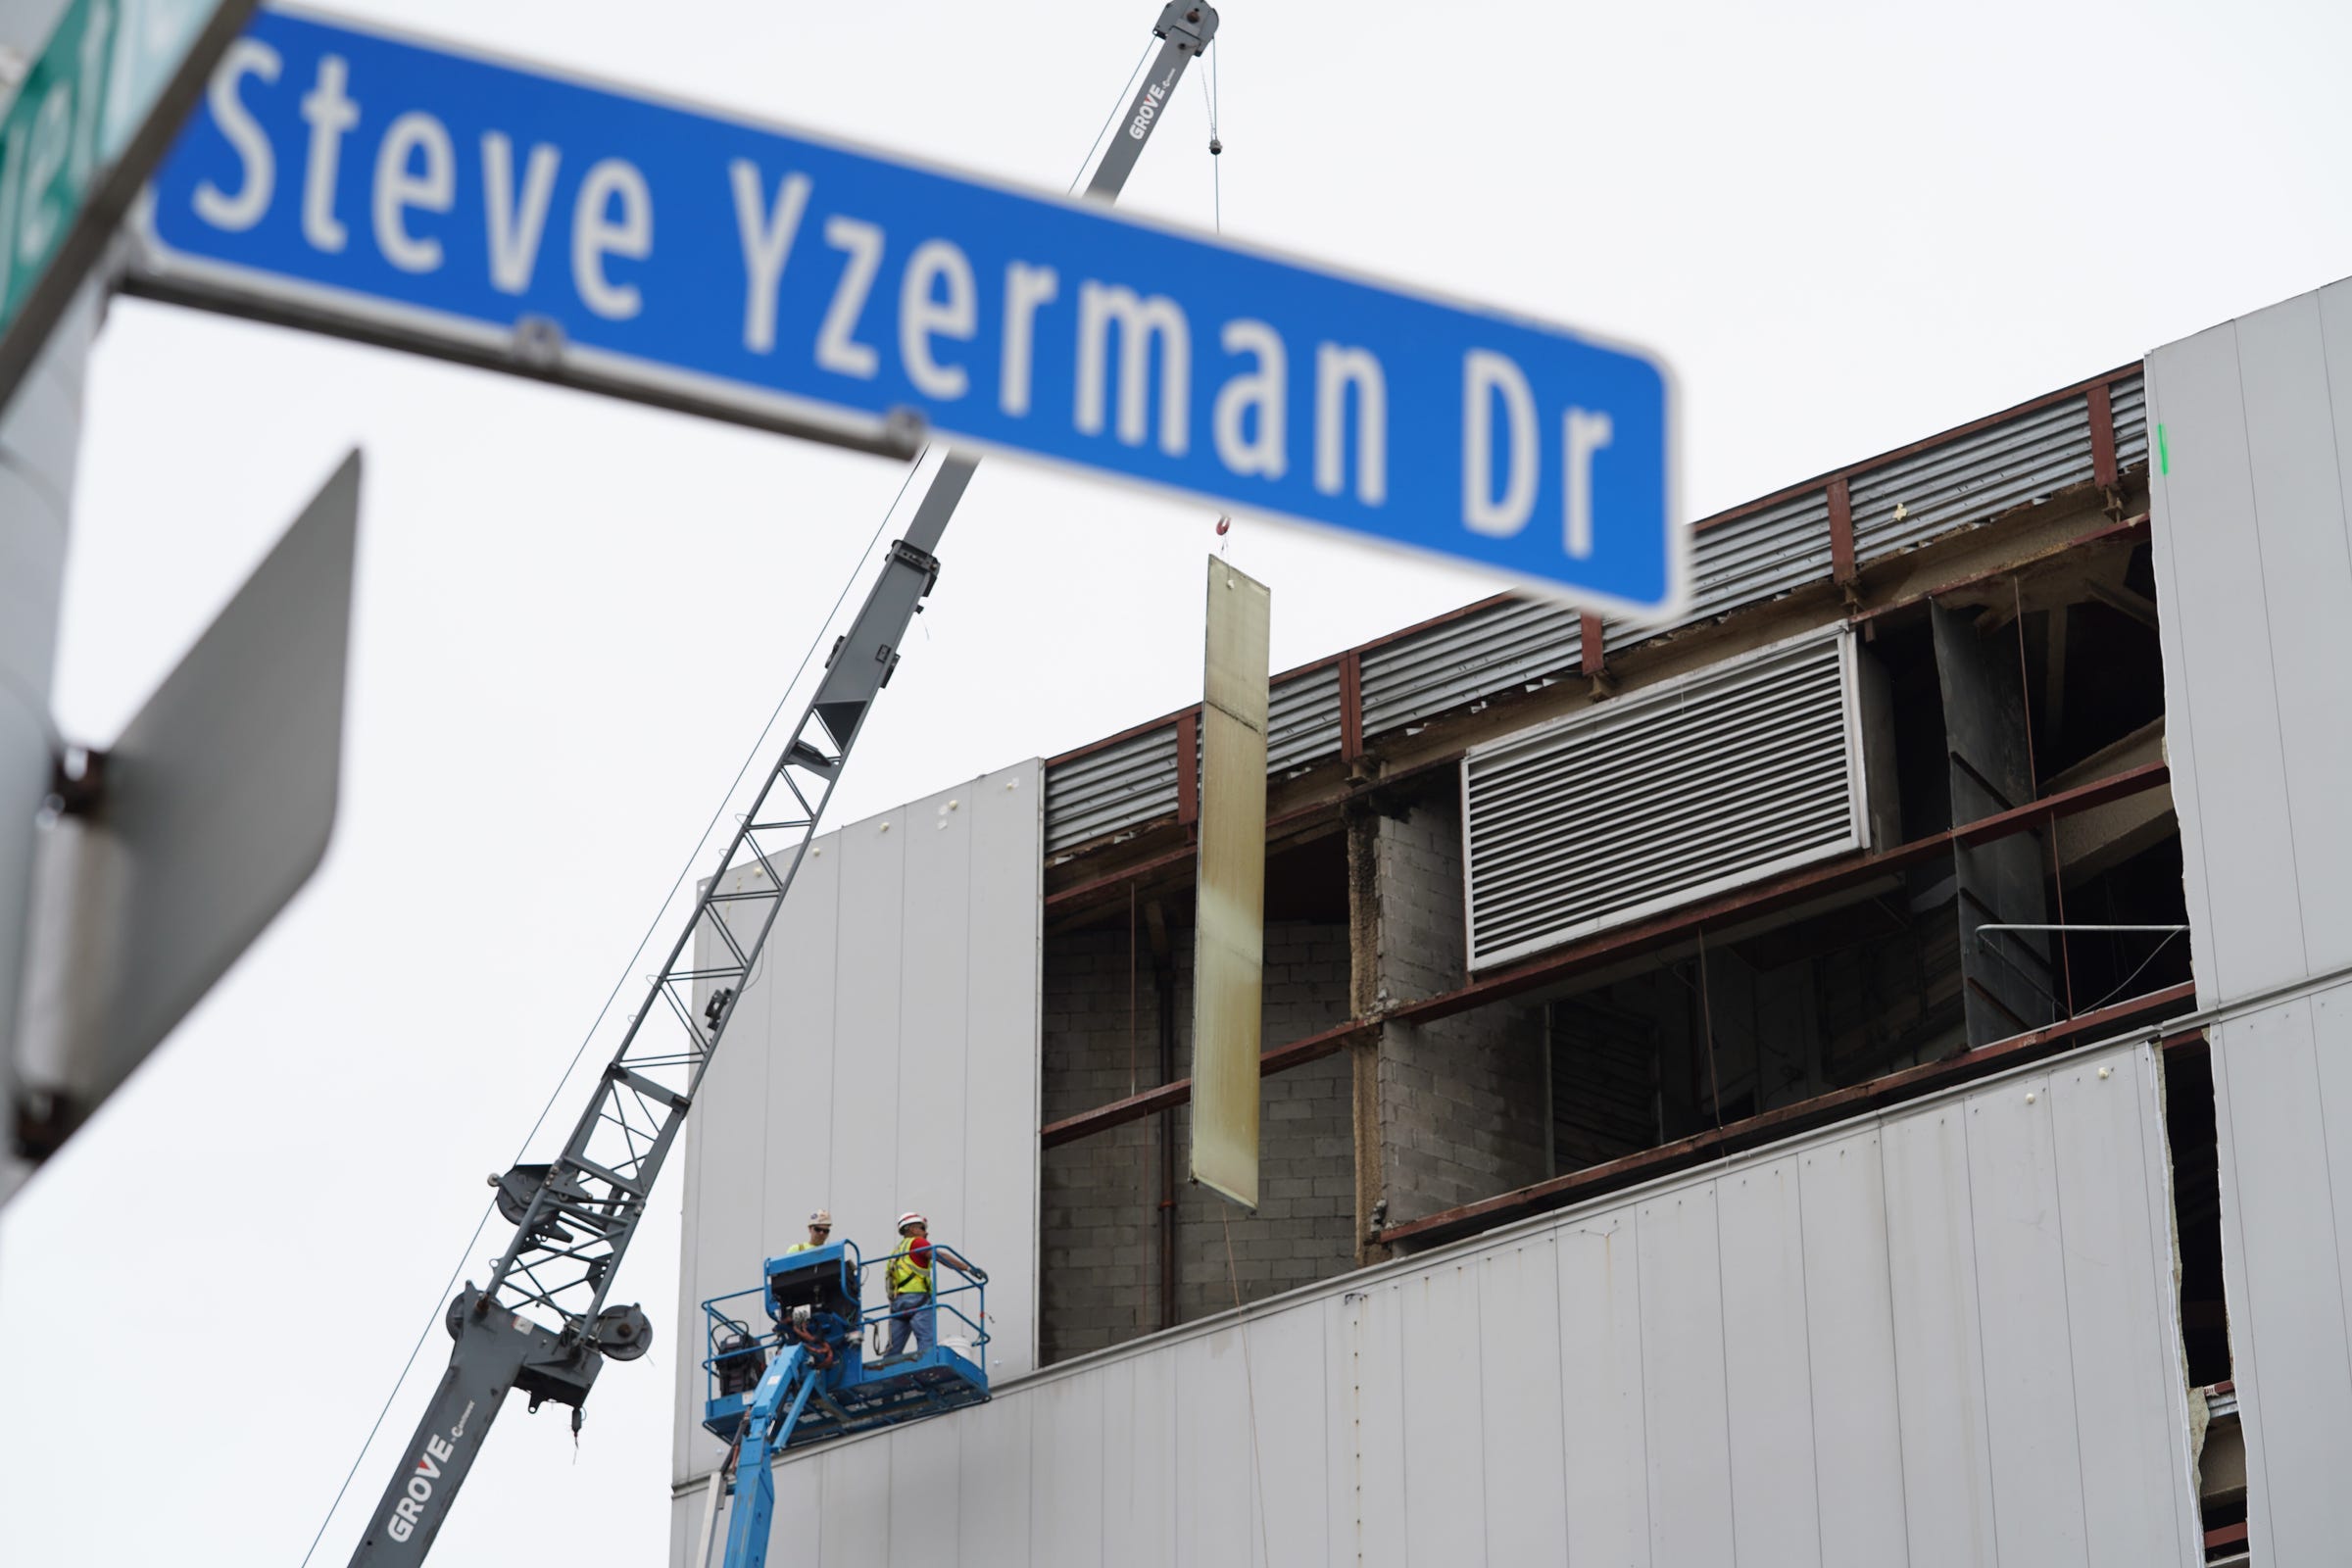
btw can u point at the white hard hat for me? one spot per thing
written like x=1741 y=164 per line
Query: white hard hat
x=911 y=1218
x=823 y=1216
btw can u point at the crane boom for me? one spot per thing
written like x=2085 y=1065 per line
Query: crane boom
x=541 y=1323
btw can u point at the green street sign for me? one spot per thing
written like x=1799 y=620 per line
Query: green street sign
x=86 y=129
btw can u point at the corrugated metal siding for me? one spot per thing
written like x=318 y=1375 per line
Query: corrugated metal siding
x=2128 y=406
x=1497 y=650
x=1506 y=648
x=1970 y=479
x=1874 y=1344
x=1116 y=787
x=1707 y=782
x=2250 y=536
x=901 y=989
x=1303 y=720
x=1747 y=560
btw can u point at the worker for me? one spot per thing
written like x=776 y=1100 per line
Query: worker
x=910 y=1278
x=821 y=1226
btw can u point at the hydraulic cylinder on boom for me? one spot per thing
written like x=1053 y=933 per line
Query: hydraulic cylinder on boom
x=540 y=1324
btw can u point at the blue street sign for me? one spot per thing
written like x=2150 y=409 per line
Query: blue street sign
x=440 y=195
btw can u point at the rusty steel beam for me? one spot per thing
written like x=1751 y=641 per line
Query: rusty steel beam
x=2136 y=525
x=2102 y=436
x=1351 y=706
x=1842 y=530
x=1635 y=939
x=1782 y=1121
x=1168 y=1096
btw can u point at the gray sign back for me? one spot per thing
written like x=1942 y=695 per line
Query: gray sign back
x=216 y=805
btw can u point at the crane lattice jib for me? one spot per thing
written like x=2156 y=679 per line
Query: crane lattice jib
x=541 y=1324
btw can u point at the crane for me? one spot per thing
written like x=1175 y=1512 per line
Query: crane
x=541 y=1324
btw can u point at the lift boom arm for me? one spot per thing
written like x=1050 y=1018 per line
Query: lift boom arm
x=541 y=1324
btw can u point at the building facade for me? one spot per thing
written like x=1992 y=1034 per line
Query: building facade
x=1839 y=1079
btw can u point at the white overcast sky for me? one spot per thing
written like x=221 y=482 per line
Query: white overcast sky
x=1846 y=226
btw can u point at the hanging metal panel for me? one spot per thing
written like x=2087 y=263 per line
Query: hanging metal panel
x=1747 y=560
x=1971 y=479
x=1495 y=650
x=1684 y=789
x=1120 y=785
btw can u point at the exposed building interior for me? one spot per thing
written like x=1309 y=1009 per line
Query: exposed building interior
x=1887 y=812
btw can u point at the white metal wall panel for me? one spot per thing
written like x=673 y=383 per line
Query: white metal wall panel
x=992 y=1477
x=1849 y=1312
x=921 y=1517
x=1215 y=1525
x=2029 y=1386
x=1384 y=1496
x=2304 y=527
x=884 y=1056
x=1707 y=782
x=1945 y=1334
x=1522 y=1402
x=1684 y=1402
x=933 y=956
x=1445 y=1494
x=854 y=1506
x=1139 y=1460
x=1342 y=1428
x=1767 y=1368
x=2117 y=1364
x=795 y=1002
x=2283 y=1243
x=1291 y=1467
x=1066 y=1472
x=862 y=1189
x=2220 y=695
x=1601 y=1383
x=2253 y=549
x=1003 y=991
x=1939 y=1355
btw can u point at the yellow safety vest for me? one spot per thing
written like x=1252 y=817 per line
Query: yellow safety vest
x=800 y=1247
x=906 y=1277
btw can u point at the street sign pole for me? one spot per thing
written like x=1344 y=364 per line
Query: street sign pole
x=86 y=129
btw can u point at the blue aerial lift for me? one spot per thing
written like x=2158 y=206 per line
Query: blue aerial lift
x=808 y=1379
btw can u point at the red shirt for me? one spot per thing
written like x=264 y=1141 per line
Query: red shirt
x=920 y=1251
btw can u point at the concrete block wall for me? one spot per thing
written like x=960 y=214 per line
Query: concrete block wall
x=1102 y=1266
x=1465 y=1104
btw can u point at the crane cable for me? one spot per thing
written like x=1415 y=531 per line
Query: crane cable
x=1210 y=94
x=692 y=859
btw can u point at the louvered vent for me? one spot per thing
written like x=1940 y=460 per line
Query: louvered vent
x=1715 y=780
